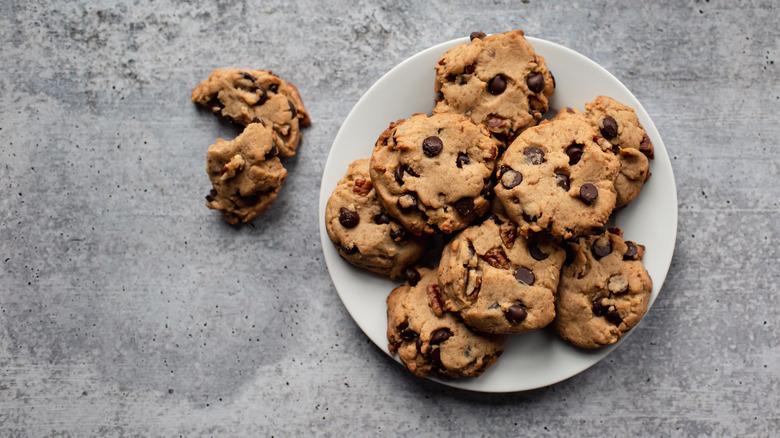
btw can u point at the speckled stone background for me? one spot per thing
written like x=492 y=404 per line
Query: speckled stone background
x=127 y=308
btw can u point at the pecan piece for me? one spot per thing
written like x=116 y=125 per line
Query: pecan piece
x=434 y=299
x=496 y=258
x=362 y=186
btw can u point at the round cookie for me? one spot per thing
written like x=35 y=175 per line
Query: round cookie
x=435 y=341
x=498 y=281
x=603 y=292
x=365 y=235
x=246 y=173
x=434 y=173
x=558 y=177
x=619 y=124
x=247 y=96
x=497 y=80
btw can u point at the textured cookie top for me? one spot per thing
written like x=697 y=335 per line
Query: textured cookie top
x=429 y=340
x=558 y=177
x=361 y=229
x=247 y=96
x=497 y=80
x=604 y=290
x=431 y=172
x=499 y=281
x=246 y=173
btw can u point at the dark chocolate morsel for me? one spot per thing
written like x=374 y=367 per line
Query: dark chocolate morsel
x=597 y=307
x=348 y=250
x=412 y=275
x=348 y=218
x=248 y=76
x=497 y=85
x=563 y=181
x=510 y=178
x=524 y=275
x=537 y=253
x=535 y=82
x=440 y=335
x=464 y=206
x=575 y=153
x=534 y=155
x=600 y=251
x=515 y=314
x=631 y=251
x=609 y=127
x=381 y=219
x=462 y=160
x=477 y=35
x=613 y=316
x=588 y=193
x=432 y=146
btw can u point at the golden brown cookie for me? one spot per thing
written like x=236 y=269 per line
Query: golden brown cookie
x=365 y=235
x=246 y=173
x=604 y=290
x=497 y=80
x=247 y=96
x=431 y=172
x=429 y=340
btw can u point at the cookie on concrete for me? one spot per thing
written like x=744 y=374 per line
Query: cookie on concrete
x=604 y=291
x=619 y=124
x=498 y=80
x=429 y=339
x=497 y=280
x=247 y=96
x=365 y=235
x=433 y=173
x=246 y=173
x=558 y=177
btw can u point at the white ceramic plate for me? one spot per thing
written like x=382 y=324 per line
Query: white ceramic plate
x=531 y=360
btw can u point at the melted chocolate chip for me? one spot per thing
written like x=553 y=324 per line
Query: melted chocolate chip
x=435 y=356
x=348 y=218
x=398 y=173
x=412 y=275
x=405 y=332
x=212 y=195
x=524 y=275
x=464 y=206
x=609 y=127
x=398 y=235
x=293 y=110
x=510 y=178
x=440 y=335
x=258 y=120
x=272 y=153
x=534 y=155
x=274 y=88
x=516 y=314
x=575 y=153
x=613 y=316
x=497 y=85
x=588 y=193
x=563 y=181
x=262 y=96
x=348 y=250
x=382 y=218
x=631 y=251
x=248 y=76
x=535 y=82
x=487 y=189
x=477 y=35
x=597 y=306
x=600 y=251
x=407 y=202
x=462 y=160
x=537 y=253
x=432 y=146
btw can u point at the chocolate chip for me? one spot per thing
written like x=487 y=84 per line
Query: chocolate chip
x=212 y=195
x=418 y=344
x=588 y=193
x=272 y=153
x=398 y=235
x=248 y=76
x=262 y=96
x=407 y=202
x=348 y=218
x=609 y=127
x=569 y=253
x=469 y=69
x=600 y=251
x=537 y=253
x=398 y=173
x=528 y=218
x=405 y=332
x=535 y=82
x=274 y=88
x=463 y=159
x=349 y=250
x=497 y=85
x=516 y=314
x=613 y=316
x=477 y=35
x=440 y=335
x=575 y=153
x=293 y=111
x=464 y=206
x=258 y=120
x=432 y=146
x=631 y=251
x=487 y=189
x=412 y=275
x=563 y=181
x=524 y=275
x=435 y=356
x=382 y=218
x=439 y=97
x=510 y=178
x=597 y=306
x=534 y=155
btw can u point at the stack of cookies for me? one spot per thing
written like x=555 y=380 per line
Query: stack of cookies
x=519 y=205
x=246 y=172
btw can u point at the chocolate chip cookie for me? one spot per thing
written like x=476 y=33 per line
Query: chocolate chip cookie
x=604 y=290
x=365 y=235
x=246 y=173
x=498 y=281
x=497 y=80
x=433 y=173
x=558 y=177
x=247 y=96
x=619 y=124
x=429 y=339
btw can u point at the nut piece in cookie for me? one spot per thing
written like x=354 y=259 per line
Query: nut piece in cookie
x=246 y=173
x=362 y=231
x=558 y=177
x=256 y=96
x=499 y=281
x=619 y=124
x=497 y=80
x=433 y=173
x=603 y=292
x=427 y=341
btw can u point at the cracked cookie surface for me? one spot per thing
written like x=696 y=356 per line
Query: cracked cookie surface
x=435 y=341
x=246 y=173
x=604 y=290
x=248 y=96
x=433 y=173
x=362 y=231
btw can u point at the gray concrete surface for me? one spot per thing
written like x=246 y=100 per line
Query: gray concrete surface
x=129 y=309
